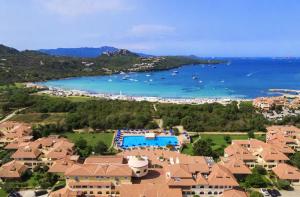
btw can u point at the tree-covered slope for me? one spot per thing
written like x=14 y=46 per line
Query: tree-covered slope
x=25 y=66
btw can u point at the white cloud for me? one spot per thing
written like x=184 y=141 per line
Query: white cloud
x=82 y=7
x=151 y=30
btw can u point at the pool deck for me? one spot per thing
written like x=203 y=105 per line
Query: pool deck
x=119 y=135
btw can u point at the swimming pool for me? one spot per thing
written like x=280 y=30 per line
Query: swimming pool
x=136 y=141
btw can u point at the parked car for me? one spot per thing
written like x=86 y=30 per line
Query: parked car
x=14 y=194
x=264 y=191
x=274 y=192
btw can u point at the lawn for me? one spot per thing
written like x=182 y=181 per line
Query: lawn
x=217 y=139
x=91 y=138
x=3 y=193
x=41 y=118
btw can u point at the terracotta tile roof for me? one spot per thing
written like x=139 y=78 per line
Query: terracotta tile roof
x=61 y=165
x=286 y=172
x=234 y=193
x=148 y=190
x=12 y=169
x=99 y=170
x=236 y=166
x=181 y=182
x=90 y=183
x=104 y=159
x=65 y=192
x=221 y=176
x=58 y=153
x=15 y=145
x=238 y=151
x=200 y=180
x=26 y=152
x=282 y=147
x=273 y=154
x=197 y=163
x=11 y=129
x=179 y=170
x=283 y=129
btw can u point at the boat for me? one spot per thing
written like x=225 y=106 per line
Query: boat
x=194 y=77
x=175 y=71
x=173 y=74
x=249 y=74
x=200 y=81
x=148 y=75
x=110 y=80
x=222 y=81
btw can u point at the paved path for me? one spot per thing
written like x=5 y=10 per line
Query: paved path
x=226 y=133
x=295 y=193
x=9 y=116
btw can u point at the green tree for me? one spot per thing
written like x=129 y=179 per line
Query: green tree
x=227 y=138
x=259 y=170
x=81 y=143
x=295 y=159
x=251 y=134
x=255 y=180
x=100 y=148
x=256 y=194
x=283 y=184
x=202 y=147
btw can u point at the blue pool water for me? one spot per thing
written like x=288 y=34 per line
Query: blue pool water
x=243 y=78
x=131 y=141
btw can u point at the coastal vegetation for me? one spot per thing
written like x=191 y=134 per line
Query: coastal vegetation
x=101 y=114
x=212 y=117
x=29 y=66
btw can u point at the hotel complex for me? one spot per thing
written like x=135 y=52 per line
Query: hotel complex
x=149 y=170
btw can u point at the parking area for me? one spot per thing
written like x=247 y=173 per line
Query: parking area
x=295 y=193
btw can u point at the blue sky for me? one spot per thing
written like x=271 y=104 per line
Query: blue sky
x=200 y=27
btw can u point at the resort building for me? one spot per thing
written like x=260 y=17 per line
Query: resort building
x=236 y=166
x=270 y=103
x=11 y=131
x=288 y=173
x=43 y=151
x=266 y=155
x=147 y=172
x=284 y=136
x=12 y=170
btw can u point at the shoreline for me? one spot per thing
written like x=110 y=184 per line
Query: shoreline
x=73 y=93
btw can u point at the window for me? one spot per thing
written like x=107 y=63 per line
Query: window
x=138 y=172
x=145 y=170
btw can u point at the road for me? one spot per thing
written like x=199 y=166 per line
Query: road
x=9 y=116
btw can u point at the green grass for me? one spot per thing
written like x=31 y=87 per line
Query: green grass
x=40 y=118
x=79 y=98
x=217 y=139
x=3 y=193
x=91 y=138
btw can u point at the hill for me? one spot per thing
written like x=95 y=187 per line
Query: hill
x=29 y=66
x=84 y=52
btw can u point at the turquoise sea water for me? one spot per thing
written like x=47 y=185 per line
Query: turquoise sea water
x=130 y=141
x=242 y=78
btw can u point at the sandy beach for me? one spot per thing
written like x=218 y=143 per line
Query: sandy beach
x=69 y=93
